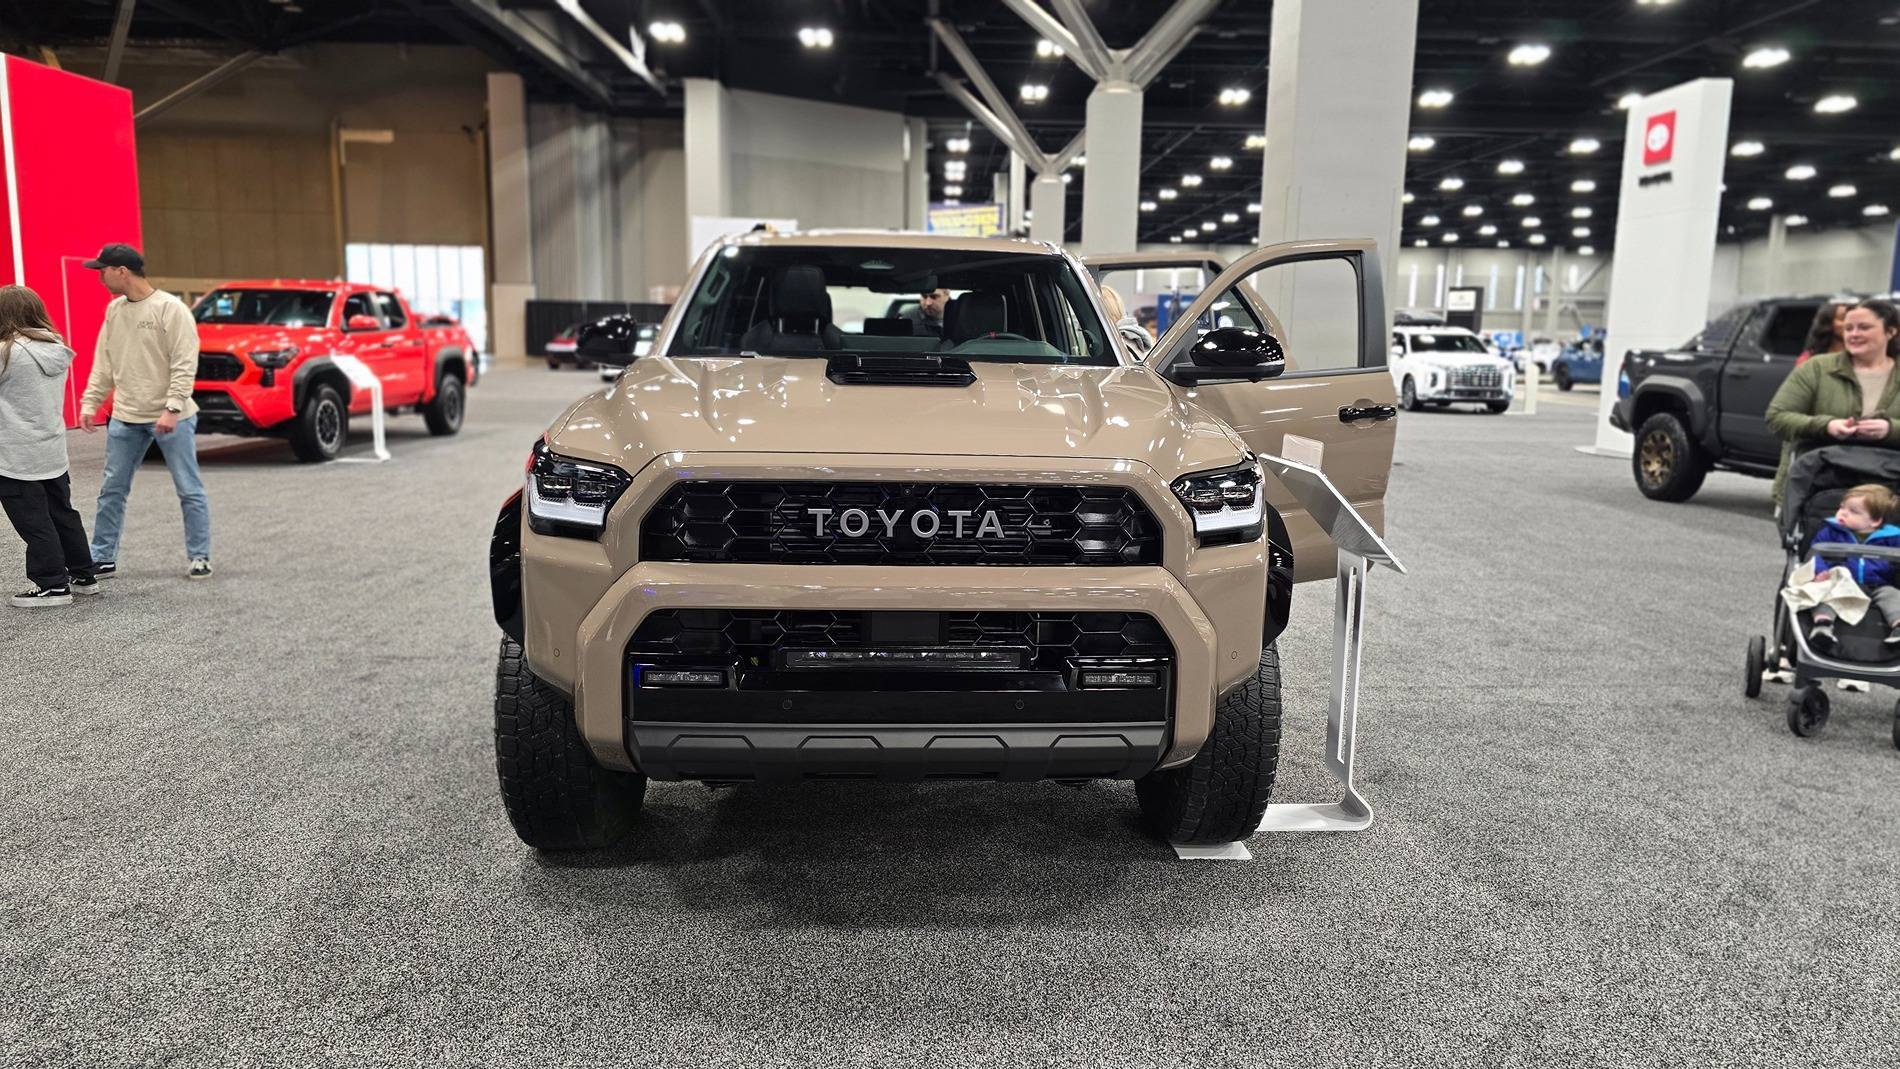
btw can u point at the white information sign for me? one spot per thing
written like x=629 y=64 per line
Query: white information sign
x=362 y=378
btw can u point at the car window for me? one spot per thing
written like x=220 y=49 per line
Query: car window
x=392 y=310
x=1317 y=305
x=1786 y=331
x=1720 y=332
x=1005 y=306
x=266 y=307
x=1435 y=342
x=358 y=304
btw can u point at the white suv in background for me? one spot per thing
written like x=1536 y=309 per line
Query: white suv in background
x=1441 y=365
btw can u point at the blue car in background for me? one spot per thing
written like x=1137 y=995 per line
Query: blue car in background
x=1579 y=362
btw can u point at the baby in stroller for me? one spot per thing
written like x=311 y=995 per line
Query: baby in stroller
x=1850 y=585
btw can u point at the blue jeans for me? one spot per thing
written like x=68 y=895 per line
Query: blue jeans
x=126 y=444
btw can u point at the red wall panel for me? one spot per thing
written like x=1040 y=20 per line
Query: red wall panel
x=72 y=185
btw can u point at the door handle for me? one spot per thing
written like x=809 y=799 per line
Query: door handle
x=391 y=344
x=1354 y=413
x=1735 y=372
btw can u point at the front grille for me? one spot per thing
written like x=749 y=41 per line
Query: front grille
x=219 y=367
x=771 y=523
x=216 y=403
x=1476 y=378
x=748 y=637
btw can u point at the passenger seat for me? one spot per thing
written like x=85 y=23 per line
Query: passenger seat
x=976 y=314
x=799 y=316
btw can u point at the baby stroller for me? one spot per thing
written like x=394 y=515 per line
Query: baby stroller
x=1817 y=481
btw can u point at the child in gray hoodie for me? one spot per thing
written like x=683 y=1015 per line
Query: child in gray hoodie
x=35 y=489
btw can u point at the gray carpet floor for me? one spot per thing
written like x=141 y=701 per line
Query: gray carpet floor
x=254 y=820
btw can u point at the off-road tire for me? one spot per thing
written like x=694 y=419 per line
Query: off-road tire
x=1562 y=378
x=1667 y=462
x=556 y=796
x=1757 y=663
x=1408 y=395
x=1807 y=710
x=1498 y=408
x=321 y=427
x=1220 y=796
x=443 y=413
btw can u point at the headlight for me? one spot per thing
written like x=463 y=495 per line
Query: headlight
x=1225 y=504
x=570 y=497
x=271 y=359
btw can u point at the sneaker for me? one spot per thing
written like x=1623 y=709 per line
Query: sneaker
x=1821 y=638
x=82 y=584
x=1893 y=636
x=43 y=595
x=200 y=569
x=104 y=569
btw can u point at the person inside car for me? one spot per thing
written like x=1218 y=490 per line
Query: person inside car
x=1851 y=396
x=926 y=320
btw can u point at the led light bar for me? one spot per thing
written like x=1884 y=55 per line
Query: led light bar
x=934 y=658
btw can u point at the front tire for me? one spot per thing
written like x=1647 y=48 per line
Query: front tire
x=1220 y=796
x=1807 y=710
x=1667 y=463
x=1408 y=395
x=322 y=426
x=1563 y=378
x=1498 y=408
x=1757 y=663
x=556 y=796
x=443 y=414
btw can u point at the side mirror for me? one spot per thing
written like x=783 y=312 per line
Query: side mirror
x=362 y=322
x=1398 y=352
x=1231 y=353
x=611 y=340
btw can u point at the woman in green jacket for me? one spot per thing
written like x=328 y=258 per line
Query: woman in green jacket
x=1851 y=396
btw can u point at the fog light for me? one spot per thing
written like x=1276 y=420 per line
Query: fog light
x=1118 y=678
x=683 y=677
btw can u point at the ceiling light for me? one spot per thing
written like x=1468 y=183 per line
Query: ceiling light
x=1583 y=146
x=1628 y=101
x=1760 y=204
x=1430 y=220
x=1221 y=163
x=1528 y=55
x=1253 y=209
x=1434 y=98
x=1532 y=222
x=1763 y=58
x=1421 y=143
x=1407 y=198
x=1842 y=190
x=1209 y=225
x=1047 y=49
x=1168 y=194
x=1510 y=166
x=1472 y=211
x=814 y=37
x=1875 y=209
x=1800 y=172
x=1579 y=231
x=953 y=191
x=1190 y=232
x=1585 y=250
x=1190 y=180
x=1256 y=141
x=1449 y=238
x=1796 y=220
x=1537 y=239
x=1080 y=161
x=1747 y=148
x=1235 y=96
x=1148 y=205
x=1176 y=238
x=1230 y=217
x=1584 y=185
x=1581 y=213
x=667 y=33
x=1504 y=244
x=1452 y=183
x=1033 y=93
x=1835 y=104
x=957 y=144
x=1654 y=3
x=951 y=201
x=1067 y=178
x=1488 y=230
x=1523 y=200
x=1419 y=243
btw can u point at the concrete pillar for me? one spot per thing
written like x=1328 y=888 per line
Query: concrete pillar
x=596 y=216
x=1554 y=291
x=1111 y=184
x=1336 y=130
x=1018 y=193
x=916 y=174
x=1047 y=202
x=511 y=233
x=708 y=182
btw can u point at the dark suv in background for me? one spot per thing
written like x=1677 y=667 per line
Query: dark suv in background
x=1704 y=405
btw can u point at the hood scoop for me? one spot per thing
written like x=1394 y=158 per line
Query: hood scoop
x=899 y=369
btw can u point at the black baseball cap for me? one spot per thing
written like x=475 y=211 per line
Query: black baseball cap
x=117 y=255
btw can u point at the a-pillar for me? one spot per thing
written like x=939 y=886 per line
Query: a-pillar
x=1111 y=184
x=708 y=182
x=511 y=229
x=1048 y=201
x=1339 y=103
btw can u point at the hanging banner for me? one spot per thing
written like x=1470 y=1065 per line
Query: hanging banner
x=964 y=220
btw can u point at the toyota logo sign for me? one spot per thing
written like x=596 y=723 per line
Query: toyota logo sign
x=1659 y=139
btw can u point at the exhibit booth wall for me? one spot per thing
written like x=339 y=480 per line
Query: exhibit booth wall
x=72 y=185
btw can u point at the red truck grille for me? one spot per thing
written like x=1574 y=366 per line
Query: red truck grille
x=219 y=367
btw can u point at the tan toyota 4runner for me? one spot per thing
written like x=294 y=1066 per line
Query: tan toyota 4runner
x=808 y=538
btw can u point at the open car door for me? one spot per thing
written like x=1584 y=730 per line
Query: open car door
x=1333 y=408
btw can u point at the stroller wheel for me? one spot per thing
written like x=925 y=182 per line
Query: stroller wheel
x=1807 y=710
x=1896 y=725
x=1757 y=663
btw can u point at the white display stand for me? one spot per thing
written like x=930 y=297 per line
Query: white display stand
x=362 y=378
x=1359 y=547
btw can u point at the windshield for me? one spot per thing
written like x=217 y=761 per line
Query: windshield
x=1447 y=343
x=1003 y=306
x=276 y=308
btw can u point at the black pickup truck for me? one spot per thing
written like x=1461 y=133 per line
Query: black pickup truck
x=1704 y=405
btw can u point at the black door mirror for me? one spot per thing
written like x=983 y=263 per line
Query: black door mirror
x=608 y=340
x=1228 y=354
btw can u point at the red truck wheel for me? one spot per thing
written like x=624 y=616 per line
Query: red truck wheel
x=321 y=426
x=444 y=413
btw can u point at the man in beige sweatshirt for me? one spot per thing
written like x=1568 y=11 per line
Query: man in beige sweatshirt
x=146 y=362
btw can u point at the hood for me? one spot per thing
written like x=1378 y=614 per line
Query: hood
x=788 y=405
x=1450 y=360
x=51 y=357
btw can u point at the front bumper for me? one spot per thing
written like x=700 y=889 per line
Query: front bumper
x=1620 y=416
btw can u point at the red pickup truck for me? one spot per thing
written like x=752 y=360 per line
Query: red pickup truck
x=266 y=361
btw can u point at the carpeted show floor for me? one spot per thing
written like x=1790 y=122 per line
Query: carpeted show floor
x=254 y=821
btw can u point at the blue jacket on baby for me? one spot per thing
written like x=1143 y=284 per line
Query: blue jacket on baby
x=1868 y=572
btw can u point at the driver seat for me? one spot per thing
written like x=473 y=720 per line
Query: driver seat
x=974 y=315
x=798 y=316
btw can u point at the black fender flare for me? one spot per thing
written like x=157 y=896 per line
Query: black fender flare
x=1671 y=391
x=315 y=370
x=450 y=355
x=504 y=567
x=1279 y=577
